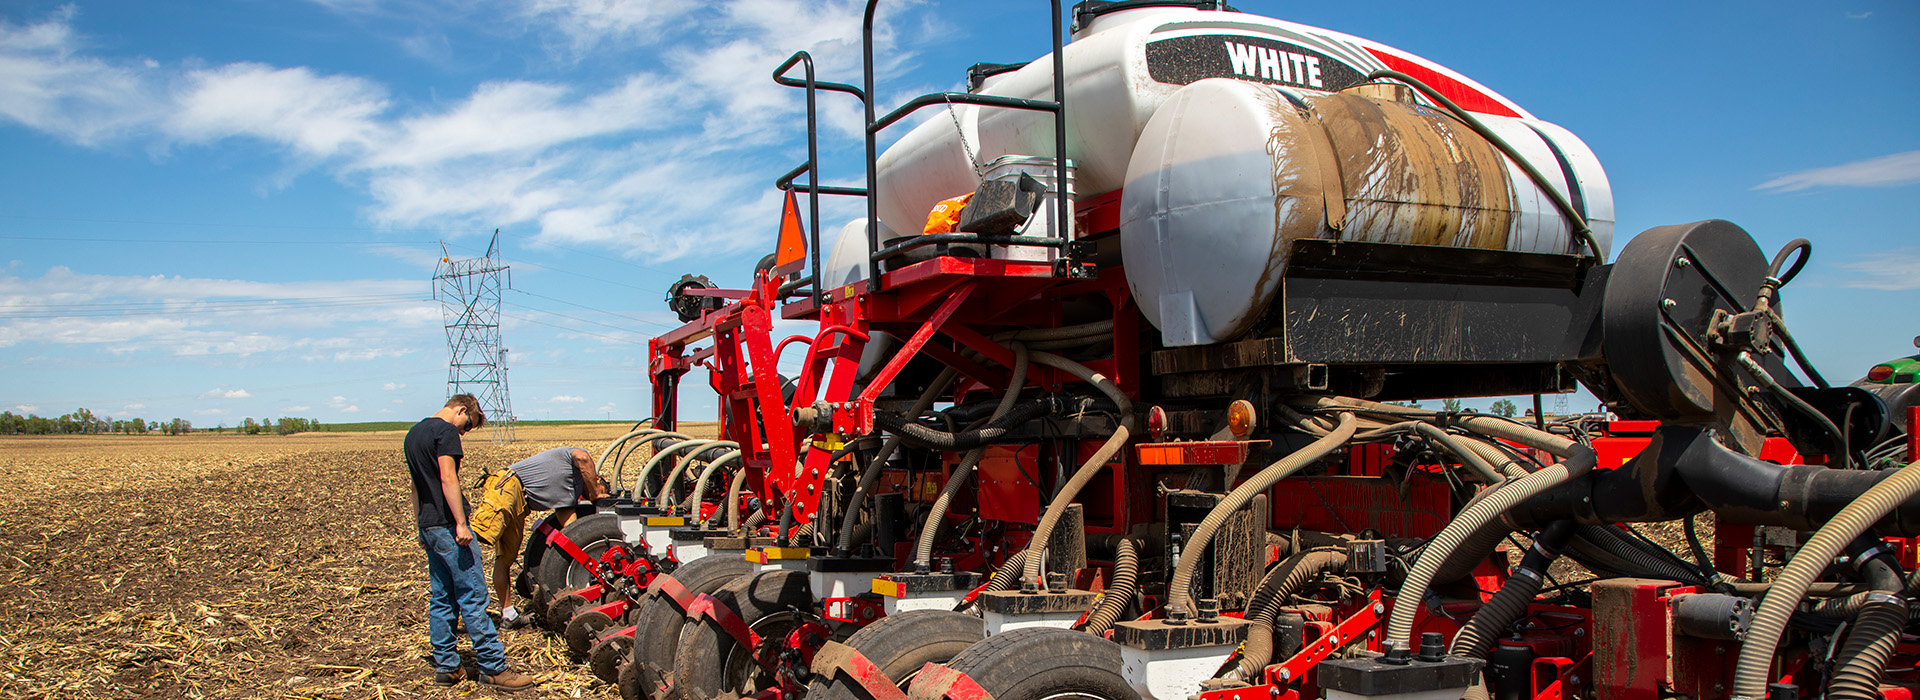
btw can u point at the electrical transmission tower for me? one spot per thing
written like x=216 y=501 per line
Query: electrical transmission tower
x=469 y=295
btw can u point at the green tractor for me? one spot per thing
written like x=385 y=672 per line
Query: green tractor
x=1896 y=382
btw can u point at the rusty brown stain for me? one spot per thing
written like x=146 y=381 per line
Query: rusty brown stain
x=1412 y=177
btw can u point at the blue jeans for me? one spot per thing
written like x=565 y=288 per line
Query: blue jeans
x=459 y=589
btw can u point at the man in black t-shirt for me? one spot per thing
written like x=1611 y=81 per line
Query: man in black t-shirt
x=459 y=588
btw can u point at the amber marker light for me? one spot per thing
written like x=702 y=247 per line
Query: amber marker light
x=1240 y=418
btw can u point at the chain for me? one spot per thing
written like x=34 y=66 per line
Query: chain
x=964 y=144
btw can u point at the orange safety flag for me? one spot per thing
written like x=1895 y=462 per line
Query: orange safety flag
x=945 y=216
x=792 y=252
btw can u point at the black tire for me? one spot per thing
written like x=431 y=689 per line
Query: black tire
x=607 y=655
x=711 y=665
x=900 y=645
x=657 y=625
x=558 y=575
x=530 y=558
x=1044 y=662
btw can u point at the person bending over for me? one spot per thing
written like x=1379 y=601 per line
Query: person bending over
x=554 y=480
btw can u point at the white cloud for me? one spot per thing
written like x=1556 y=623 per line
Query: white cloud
x=317 y=321
x=384 y=411
x=295 y=409
x=315 y=115
x=134 y=407
x=226 y=394
x=350 y=409
x=1885 y=171
x=209 y=411
x=606 y=408
x=46 y=84
x=563 y=398
x=657 y=163
x=392 y=386
x=25 y=408
x=1892 y=270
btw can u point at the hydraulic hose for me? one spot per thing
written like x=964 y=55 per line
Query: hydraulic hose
x=660 y=454
x=1042 y=532
x=640 y=483
x=1459 y=449
x=1413 y=592
x=1180 y=590
x=871 y=475
x=616 y=445
x=937 y=514
x=733 y=499
x=1760 y=373
x=1864 y=658
x=966 y=439
x=1274 y=590
x=1083 y=330
x=1120 y=591
x=673 y=477
x=700 y=484
x=1476 y=638
x=1754 y=668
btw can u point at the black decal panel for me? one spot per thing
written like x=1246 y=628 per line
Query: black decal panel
x=1188 y=59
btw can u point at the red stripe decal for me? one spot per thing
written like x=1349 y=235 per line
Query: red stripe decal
x=1462 y=94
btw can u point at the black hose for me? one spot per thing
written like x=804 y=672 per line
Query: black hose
x=1476 y=638
x=1280 y=583
x=1806 y=252
x=1863 y=660
x=1120 y=592
x=967 y=439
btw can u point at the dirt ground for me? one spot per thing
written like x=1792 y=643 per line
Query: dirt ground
x=228 y=566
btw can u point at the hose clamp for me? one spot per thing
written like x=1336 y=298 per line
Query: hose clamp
x=1529 y=573
x=1884 y=597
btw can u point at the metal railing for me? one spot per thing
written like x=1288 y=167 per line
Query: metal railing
x=874 y=125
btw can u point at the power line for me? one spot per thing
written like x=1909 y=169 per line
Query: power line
x=589 y=308
x=573 y=318
x=572 y=330
x=227 y=241
x=213 y=309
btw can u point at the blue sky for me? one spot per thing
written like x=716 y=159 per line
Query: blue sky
x=214 y=210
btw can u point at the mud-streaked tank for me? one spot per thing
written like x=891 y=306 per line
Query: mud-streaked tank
x=1245 y=129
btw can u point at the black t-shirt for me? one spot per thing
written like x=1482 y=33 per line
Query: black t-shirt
x=429 y=440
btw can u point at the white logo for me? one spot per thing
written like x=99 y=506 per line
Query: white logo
x=1276 y=65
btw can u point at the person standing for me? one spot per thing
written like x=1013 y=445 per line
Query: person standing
x=554 y=480
x=458 y=585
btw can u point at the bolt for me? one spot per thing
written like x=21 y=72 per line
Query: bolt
x=1573 y=680
x=1682 y=263
x=1577 y=632
x=1286 y=674
x=1273 y=691
x=1379 y=608
x=1668 y=304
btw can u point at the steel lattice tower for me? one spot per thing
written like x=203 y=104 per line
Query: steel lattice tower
x=469 y=295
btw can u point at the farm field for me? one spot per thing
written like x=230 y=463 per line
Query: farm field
x=229 y=566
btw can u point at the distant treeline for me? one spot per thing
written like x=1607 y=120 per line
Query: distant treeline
x=85 y=422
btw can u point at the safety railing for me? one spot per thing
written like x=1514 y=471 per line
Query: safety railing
x=812 y=167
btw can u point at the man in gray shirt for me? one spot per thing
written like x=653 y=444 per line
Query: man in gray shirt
x=555 y=480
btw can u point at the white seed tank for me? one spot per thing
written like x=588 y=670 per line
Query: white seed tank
x=1233 y=135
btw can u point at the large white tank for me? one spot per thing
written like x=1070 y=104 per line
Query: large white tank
x=1125 y=66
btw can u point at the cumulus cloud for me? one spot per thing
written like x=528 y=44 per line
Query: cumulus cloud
x=25 y=407
x=1893 y=270
x=350 y=409
x=657 y=163
x=134 y=407
x=226 y=394
x=563 y=398
x=295 y=409
x=393 y=386
x=209 y=411
x=1885 y=171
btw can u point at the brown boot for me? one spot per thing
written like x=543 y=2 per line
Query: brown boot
x=508 y=681
x=453 y=677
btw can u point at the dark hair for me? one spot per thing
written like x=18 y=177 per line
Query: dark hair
x=475 y=416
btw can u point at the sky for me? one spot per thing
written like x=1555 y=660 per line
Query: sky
x=233 y=208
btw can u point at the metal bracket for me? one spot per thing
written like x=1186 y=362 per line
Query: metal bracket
x=729 y=620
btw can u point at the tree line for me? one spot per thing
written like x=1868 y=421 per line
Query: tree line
x=86 y=422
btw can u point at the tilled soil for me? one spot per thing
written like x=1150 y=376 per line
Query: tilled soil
x=225 y=566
